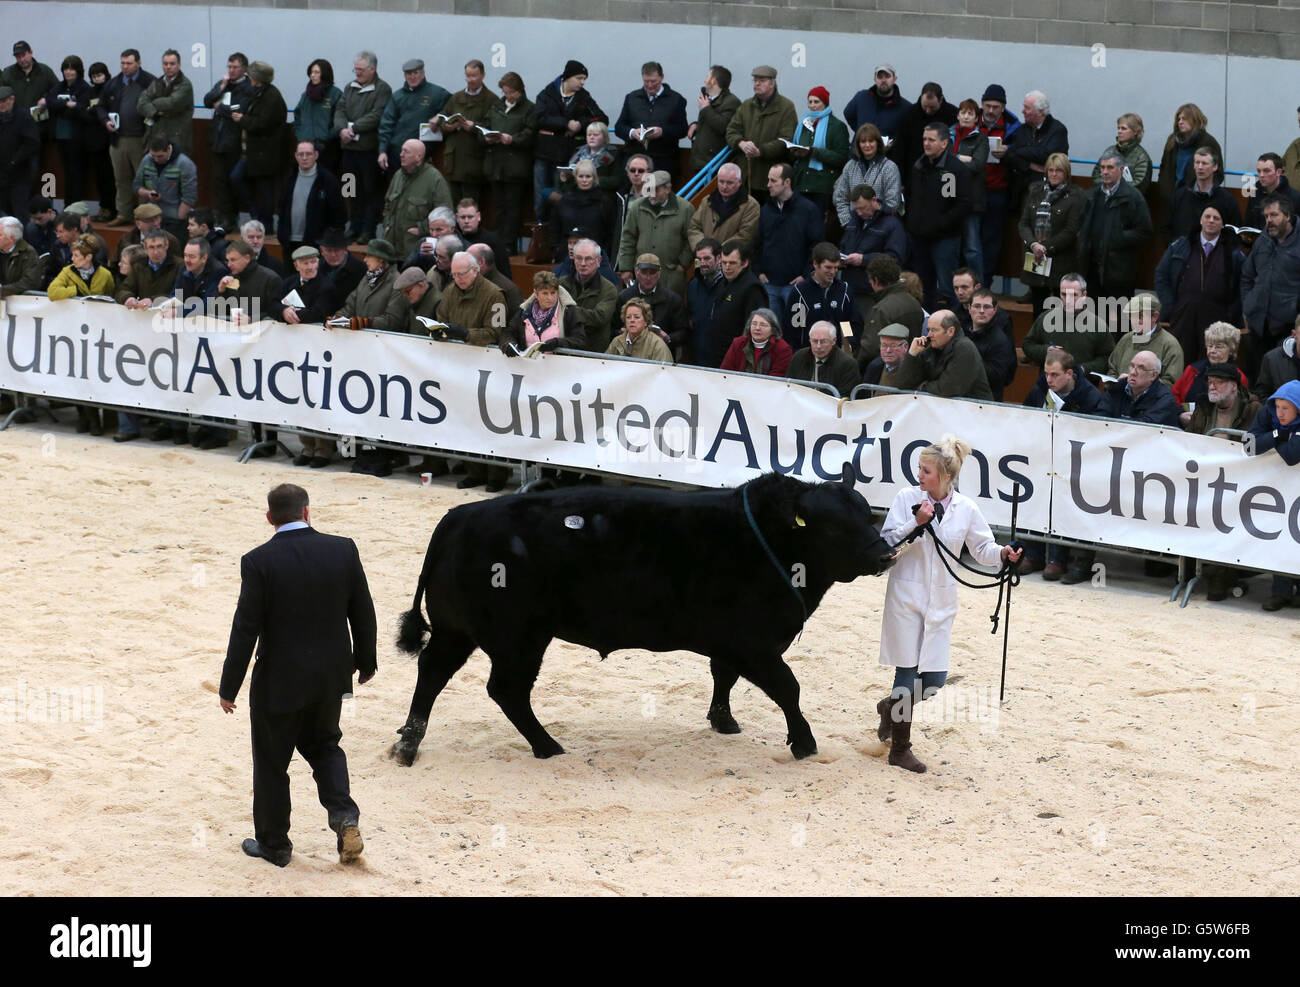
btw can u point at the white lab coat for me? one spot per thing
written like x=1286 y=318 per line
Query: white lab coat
x=921 y=598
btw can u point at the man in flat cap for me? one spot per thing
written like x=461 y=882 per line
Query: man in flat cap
x=757 y=130
x=30 y=81
x=147 y=216
x=417 y=101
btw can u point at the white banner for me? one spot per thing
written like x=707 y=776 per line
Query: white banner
x=1092 y=479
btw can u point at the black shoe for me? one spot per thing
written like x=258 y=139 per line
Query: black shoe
x=494 y=487
x=319 y=462
x=96 y=428
x=254 y=849
x=262 y=452
x=467 y=482
x=1276 y=601
x=23 y=416
x=161 y=434
x=302 y=459
x=126 y=436
x=180 y=438
x=1073 y=576
x=381 y=468
x=214 y=442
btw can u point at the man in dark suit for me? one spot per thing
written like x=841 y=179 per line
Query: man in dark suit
x=301 y=592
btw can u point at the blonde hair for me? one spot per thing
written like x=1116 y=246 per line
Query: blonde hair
x=948 y=454
x=1225 y=333
x=1134 y=123
x=1059 y=160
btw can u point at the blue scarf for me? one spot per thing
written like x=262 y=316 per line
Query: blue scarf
x=819 y=134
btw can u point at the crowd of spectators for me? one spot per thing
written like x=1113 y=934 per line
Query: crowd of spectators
x=839 y=249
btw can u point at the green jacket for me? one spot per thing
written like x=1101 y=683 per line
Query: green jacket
x=596 y=301
x=832 y=157
x=663 y=232
x=1089 y=342
x=956 y=371
x=482 y=310
x=314 y=121
x=408 y=203
x=145 y=282
x=1163 y=344
x=405 y=112
x=387 y=309
x=511 y=162
x=171 y=107
x=462 y=150
x=894 y=304
x=711 y=128
x=767 y=126
x=363 y=107
x=1136 y=159
x=426 y=307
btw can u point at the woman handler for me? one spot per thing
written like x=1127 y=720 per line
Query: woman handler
x=921 y=598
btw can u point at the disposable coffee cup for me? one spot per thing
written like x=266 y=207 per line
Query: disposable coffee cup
x=426 y=479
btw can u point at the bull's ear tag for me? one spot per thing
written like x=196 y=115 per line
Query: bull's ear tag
x=800 y=521
x=574 y=521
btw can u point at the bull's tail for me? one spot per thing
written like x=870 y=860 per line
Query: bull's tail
x=412 y=627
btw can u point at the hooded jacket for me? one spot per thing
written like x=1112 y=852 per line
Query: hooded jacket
x=1270 y=433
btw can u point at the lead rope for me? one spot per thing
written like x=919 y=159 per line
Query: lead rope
x=1007 y=579
x=749 y=516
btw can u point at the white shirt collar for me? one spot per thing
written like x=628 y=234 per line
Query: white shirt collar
x=292 y=526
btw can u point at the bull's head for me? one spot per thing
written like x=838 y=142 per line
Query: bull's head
x=837 y=521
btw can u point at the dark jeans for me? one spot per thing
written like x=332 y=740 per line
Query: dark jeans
x=509 y=201
x=223 y=192
x=314 y=731
x=256 y=193
x=364 y=205
x=72 y=153
x=907 y=680
x=995 y=218
x=100 y=165
x=934 y=261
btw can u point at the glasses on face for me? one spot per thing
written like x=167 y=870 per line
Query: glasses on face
x=637 y=171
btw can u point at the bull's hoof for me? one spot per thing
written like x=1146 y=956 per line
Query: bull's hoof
x=801 y=749
x=543 y=751
x=403 y=753
x=721 y=720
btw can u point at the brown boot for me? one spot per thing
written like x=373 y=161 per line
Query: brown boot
x=900 y=728
x=883 y=708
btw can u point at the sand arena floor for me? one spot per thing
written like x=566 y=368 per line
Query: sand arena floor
x=1143 y=749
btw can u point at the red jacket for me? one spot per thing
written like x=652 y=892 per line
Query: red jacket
x=773 y=360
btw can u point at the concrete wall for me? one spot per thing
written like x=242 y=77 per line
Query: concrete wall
x=1094 y=58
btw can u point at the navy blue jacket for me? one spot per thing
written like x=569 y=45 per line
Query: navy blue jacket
x=1155 y=405
x=867 y=106
x=701 y=295
x=1085 y=399
x=667 y=112
x=883 y=235
x=786 y=236
x=810 y=303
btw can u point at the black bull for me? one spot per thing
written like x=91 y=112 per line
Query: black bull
x=613 y=569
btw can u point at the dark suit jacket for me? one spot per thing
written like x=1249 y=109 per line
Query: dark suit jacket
x=301 y=591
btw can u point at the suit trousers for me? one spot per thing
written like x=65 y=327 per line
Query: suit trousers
x=126 y=154
x=314 y=731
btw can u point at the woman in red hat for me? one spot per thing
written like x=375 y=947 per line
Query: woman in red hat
x=822 y=148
